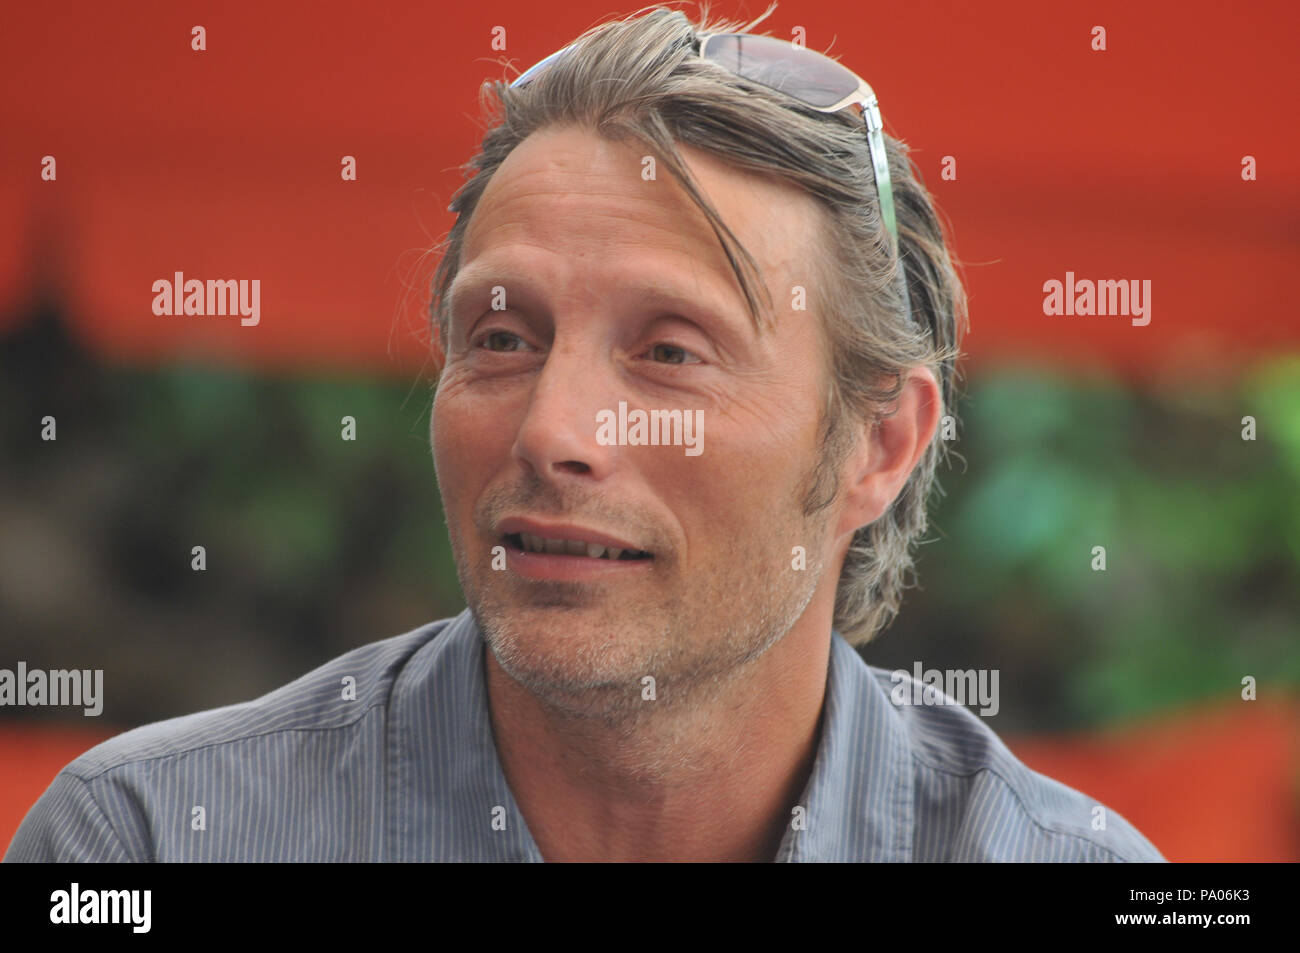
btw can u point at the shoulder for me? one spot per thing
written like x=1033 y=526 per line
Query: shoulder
x=335 y=695
x=974 y=800
x=102 y=805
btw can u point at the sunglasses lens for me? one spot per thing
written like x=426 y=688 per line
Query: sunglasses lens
x=777 y=64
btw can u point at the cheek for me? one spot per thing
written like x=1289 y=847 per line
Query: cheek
x=465 y=440
x=741 y=490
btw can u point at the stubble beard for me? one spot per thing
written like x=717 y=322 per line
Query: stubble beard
x=694 y=643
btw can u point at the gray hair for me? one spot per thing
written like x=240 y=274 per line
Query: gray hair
x=639 y=78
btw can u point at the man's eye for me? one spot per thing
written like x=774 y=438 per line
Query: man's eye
x=670 y=354
x=502 y=341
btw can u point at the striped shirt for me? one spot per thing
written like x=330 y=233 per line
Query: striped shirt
x=386 y=754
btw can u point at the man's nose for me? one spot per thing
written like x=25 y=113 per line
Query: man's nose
x=557 y=435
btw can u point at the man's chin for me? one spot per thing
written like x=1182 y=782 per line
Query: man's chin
x=572 y=656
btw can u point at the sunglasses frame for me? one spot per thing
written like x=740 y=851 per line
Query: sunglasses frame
x=863 y=96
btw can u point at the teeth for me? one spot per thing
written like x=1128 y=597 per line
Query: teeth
x=570 y=547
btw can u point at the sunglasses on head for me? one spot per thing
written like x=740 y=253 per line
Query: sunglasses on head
x=812 y=78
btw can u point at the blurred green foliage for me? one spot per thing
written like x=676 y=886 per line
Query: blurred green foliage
x=316 y=544
x=1200 y=529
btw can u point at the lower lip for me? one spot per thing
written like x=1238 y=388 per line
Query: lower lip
x=565 y=568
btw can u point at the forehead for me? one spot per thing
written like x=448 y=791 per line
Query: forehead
x=574 y=193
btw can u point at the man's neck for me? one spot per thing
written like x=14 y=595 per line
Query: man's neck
x=713 y=780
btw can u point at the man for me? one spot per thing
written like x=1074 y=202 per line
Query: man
x=685 y=429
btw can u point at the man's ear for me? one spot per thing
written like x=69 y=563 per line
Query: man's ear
x=888 y=450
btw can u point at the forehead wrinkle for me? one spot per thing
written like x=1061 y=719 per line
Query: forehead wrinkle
x=607 y=212
x=696 y=274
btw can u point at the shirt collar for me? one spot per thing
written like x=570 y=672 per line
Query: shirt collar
x=449 y=799
x=859 y=797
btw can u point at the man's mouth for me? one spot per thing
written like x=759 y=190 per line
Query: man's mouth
x=528 y=543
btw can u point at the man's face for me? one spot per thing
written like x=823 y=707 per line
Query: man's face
x=616 y=290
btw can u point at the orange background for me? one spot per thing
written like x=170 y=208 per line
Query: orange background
x=225 y=163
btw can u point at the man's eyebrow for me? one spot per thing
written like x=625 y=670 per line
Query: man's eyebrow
x=651 y=291
x=469 y=281
x=644 y=290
